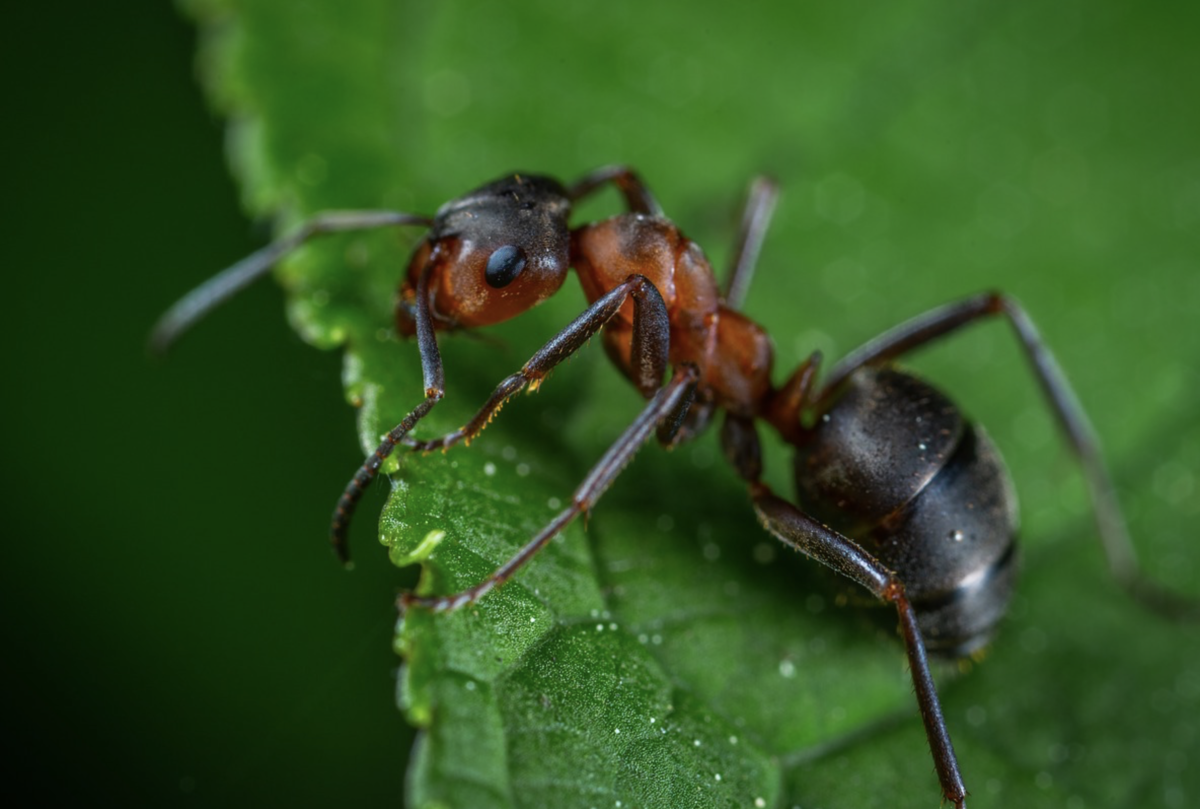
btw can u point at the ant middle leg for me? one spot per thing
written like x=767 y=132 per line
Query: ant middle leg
x=1110 y=523
x=663 y=413
x=756 y=218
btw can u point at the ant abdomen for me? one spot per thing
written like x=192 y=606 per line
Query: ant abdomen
x=892 y=463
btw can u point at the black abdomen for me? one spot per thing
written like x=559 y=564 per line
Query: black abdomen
x=893 y=465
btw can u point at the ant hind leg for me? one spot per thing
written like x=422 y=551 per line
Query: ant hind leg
x=797 y=529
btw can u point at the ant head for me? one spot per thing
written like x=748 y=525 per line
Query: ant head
x=494 y=253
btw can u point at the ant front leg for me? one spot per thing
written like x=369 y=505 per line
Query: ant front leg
x=651 y=336
x=435 y=385
x=650 y=348
x=1110 y=523
x=797 y=529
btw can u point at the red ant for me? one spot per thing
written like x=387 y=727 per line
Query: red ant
x=901 y=494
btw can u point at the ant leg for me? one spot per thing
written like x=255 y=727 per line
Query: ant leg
x=791 y=525
x=756 y=218
x=651 y=341
x=1114 y=535
x=797 y=529
x=435 y=384
x=638 y=198
x=667 y=406
x=786 y=406
x=195 y=305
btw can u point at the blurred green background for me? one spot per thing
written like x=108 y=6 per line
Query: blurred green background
x=165 y=644
x=177 y=632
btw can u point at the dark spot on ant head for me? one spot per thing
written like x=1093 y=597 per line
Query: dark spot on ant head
x=504 y=265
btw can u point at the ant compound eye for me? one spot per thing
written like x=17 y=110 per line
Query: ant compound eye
x=504 y=265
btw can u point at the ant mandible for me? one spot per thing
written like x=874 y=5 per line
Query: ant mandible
x=901 y=494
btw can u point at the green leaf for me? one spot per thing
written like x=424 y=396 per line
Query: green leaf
x=670 y=654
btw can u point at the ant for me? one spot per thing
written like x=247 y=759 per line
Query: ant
x=900 y=493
